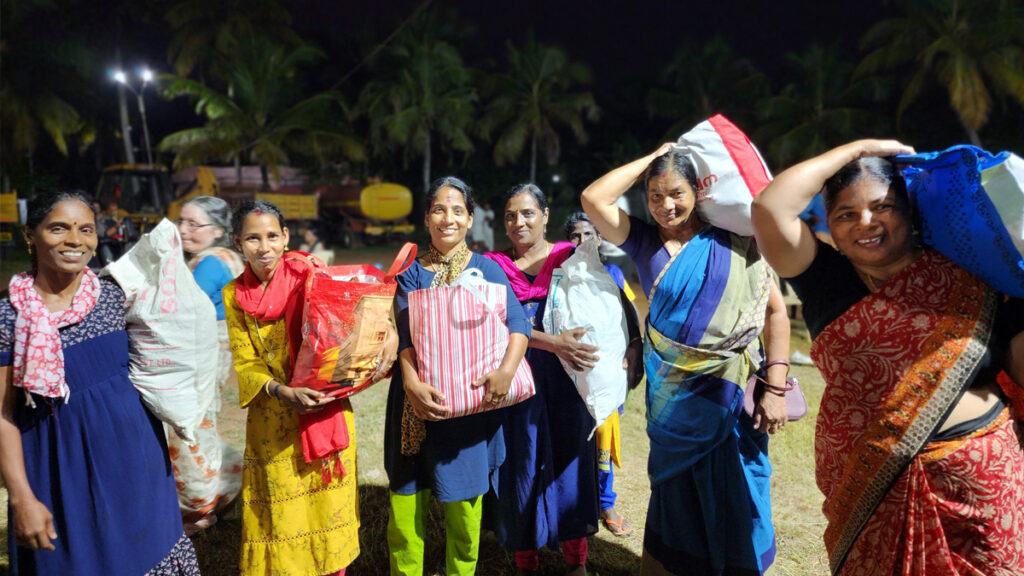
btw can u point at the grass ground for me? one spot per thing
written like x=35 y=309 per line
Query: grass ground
x=796 y=501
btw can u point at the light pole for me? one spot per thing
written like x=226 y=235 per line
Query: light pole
x=146 y=75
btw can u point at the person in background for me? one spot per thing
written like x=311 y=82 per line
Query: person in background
x=579 y=229
x=311 y=243
x=426 y=454
x=85 y=464
x=548 y=493
x=482 y=232
x=916 y=451
x=711 y=297
x=209 y=472
x=298 y=517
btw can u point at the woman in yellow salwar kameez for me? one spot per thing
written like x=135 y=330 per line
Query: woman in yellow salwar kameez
x=298 y=517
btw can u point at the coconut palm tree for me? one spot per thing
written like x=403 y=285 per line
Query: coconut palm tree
x=267 y=120
x=420 y=98
x=822 y=109
x=972 y=48
x=200 y=26
x=536 y=95
x=701 y=82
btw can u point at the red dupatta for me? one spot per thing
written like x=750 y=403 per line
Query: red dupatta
x=521 y=285
x=894 y=364
x=324 y=433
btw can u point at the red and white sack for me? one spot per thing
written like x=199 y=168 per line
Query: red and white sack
x=459 y=333
x=172 y=330
x=730 y=173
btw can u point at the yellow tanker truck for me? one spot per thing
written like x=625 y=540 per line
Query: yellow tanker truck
x=346 y=213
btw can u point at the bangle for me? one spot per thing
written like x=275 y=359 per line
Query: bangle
x=277 y=385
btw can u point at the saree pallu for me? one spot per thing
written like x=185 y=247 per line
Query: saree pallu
x=895 y=363
x=709 y=511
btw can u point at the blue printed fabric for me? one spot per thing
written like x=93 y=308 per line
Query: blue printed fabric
x=958 y=192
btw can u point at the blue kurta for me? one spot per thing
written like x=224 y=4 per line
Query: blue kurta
x=460 y=457
x=99 y=462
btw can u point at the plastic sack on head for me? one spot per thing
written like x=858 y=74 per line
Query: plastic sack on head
x=584 y=295
x=172 y=330
x=971 y=208
x=730 y=173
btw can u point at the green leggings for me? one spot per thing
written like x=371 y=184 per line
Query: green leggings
x=407 y=531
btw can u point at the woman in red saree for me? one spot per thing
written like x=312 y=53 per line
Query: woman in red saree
x=915 y=447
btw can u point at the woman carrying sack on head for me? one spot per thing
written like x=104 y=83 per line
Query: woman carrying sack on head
x=711 y=296
x=209 y=472
x=454 y=459
x=298 y=517
x=85 y=464
x=916 y=451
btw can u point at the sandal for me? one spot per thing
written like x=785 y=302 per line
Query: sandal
x=620 y=529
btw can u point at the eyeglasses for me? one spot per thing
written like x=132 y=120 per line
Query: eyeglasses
x=191 y=224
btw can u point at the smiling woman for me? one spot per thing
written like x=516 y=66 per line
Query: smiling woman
x=711 y=298
x=298 y=516
x=64 y=460
x=913 y=424
x=425 y=452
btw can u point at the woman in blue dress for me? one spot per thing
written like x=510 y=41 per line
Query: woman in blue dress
x=548 y=484
x=455 y=459
x=90 y=486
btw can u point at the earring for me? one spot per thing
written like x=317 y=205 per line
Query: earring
x=30 y=249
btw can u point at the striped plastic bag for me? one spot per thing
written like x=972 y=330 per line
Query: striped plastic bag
x=459 y=333
x=971 y=206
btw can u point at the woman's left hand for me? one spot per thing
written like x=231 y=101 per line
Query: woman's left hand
x=770 y=413
x=388 y=354
x=496 y=382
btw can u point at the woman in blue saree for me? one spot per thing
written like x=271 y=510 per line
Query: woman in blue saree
x=711 y=296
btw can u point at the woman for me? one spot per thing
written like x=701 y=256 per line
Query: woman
x=455 y=459
x=710 y=298
x=85 y=464
x=915 y=451
x=208 y=473
x=298 y=517
x=579 y=229
x=548 y=491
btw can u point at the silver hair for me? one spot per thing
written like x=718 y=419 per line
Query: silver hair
x=219 y=213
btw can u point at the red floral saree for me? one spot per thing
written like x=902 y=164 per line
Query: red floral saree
x=895 y=363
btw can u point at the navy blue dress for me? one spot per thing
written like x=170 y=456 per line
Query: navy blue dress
x=548 y=483
x=460 y=457
x=98 y=462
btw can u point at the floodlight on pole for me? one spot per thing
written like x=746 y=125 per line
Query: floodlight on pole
x=146 y=75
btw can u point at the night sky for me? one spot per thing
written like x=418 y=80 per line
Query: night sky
x=625 y=44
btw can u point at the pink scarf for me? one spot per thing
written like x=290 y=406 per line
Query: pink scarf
x=38 y=354
x=521 y=285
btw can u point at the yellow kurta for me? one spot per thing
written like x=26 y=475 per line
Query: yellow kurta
x=292 y=522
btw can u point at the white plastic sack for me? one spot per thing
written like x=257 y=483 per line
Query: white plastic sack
x=730 y=173
x=583 y=295
x=172 y=330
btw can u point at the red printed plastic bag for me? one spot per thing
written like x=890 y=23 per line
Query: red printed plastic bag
x=459 y=333
x=345 y=321
x=730 y=173
x=172 y=330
